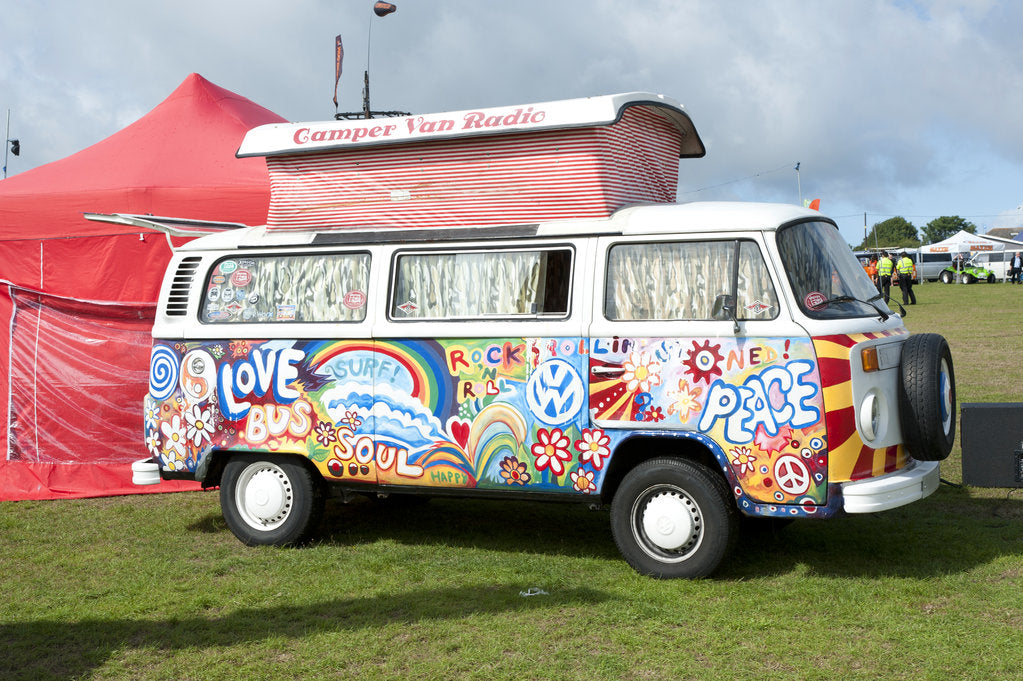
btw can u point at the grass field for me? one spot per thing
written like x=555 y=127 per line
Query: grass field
x=156 y=587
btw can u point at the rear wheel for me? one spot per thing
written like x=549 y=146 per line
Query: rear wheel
x=991 y=278
x=946 y=277
x=270 y=500
x=674 y=518
x=927 y=397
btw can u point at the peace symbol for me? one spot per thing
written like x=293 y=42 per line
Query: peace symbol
x=792 y=475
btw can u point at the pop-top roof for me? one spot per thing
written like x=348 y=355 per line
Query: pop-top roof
x=578 y=158
x=291 y=138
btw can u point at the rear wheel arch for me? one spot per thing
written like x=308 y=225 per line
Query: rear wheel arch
x=638 y=449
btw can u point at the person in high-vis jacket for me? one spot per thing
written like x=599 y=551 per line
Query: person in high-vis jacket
x=907 y=272
x=885 y=267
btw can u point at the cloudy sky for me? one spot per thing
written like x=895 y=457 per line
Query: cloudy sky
x=911 y=108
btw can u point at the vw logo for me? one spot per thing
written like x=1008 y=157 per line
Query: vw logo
x=555 y=392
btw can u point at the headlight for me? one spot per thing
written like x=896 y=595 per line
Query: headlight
x=873 y=415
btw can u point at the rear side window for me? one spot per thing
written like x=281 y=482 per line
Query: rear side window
x=317 y=287
x=482 y=285
x=686 y=281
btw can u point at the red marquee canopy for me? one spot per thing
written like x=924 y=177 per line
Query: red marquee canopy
x=77 y=297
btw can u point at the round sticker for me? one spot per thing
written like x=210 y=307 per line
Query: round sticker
x=228 y=266
x=241 y=278
x=814 y=300
x=353 y=300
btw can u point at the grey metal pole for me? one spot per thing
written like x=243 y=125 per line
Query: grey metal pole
x=7 y=142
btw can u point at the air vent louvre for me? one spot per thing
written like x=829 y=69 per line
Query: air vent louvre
x=177 y=299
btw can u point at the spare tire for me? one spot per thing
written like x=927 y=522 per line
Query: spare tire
x=927 y=397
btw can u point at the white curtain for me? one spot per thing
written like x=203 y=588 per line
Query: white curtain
x=459 y=285
x=683 y=280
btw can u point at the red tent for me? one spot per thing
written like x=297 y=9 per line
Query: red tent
x=77 y=297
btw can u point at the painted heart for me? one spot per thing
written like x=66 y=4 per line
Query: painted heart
x=460 y=432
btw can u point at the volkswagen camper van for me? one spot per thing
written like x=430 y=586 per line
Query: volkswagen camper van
x=507 y=303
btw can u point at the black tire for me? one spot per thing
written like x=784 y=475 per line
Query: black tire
x=927 y=397
x=966 y=278
x=693 y=510
x=946 y=277
x=991 y=278
x=270 y=500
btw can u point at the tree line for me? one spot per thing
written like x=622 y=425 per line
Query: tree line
x=900 y=232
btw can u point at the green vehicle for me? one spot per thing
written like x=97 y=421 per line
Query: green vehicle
x=968 y=273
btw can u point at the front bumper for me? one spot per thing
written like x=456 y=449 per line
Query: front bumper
x=145 y=472
x=916 y=481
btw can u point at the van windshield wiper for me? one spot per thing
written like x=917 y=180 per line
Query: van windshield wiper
x=869 y=301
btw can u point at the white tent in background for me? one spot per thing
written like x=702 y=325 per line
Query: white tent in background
x=964 y=242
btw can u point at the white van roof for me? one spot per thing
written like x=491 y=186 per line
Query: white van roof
x=698 y=217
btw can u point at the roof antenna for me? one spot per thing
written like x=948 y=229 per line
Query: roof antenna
x=381 y=9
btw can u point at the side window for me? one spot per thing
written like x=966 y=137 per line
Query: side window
x=482 y=284
x=287 y=288
x=686 y=281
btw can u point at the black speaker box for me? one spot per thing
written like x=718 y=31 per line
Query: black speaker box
x=991 y=436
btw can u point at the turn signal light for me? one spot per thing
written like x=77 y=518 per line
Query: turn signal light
x=868 y=357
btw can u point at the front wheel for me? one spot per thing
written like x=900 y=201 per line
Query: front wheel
x=673 y=518
x=271 y=500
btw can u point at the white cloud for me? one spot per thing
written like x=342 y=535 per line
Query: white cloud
x=886 y=104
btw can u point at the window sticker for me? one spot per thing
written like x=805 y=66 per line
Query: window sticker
x=285 y=313
x=241 y=278
x=814 y=300
x=354 y=299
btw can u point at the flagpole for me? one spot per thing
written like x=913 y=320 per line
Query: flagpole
x=7 y=142
x=799 y=185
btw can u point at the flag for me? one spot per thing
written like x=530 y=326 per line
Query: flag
x=383 y=8
x=339 y=54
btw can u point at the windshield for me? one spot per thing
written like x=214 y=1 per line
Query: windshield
x=827 y=280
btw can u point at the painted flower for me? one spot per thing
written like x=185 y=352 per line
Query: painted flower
x=653 y=414
x=173 y=460
x=352 y=419
x=239 y=348
x=174 y=434
x=217 y=351
x=200 y=424
x=153 y=442
x=582 y=481
x=685 y=400
x=152 y=411
x=593 y=447
x=514 y=471
x=742 y=458
x=551 y=450
x=703 y=362
x=325 y=433
x=641 y=372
